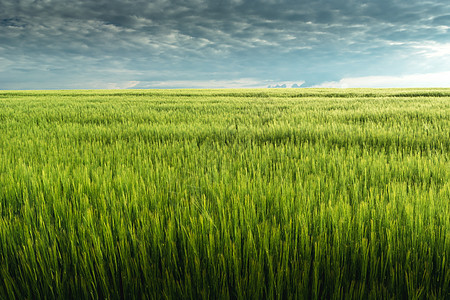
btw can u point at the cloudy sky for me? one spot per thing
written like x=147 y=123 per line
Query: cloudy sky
x=65 y=44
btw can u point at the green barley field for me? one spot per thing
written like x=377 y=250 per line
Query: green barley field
x=225 y=194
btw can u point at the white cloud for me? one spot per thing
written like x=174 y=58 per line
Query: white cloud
x=212 y=84
x=116 y=85
x=441 y=79
x=433 y=49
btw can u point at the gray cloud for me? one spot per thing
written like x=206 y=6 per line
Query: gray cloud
x=442 y=20
x=316 y=40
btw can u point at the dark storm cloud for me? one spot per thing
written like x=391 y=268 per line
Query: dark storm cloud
x=171 y=39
